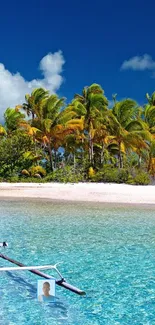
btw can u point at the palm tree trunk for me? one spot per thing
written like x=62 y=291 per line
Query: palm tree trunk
x=68 y=158
x=149 y=163
x=35 y=149
x=120 y=157
x=51 y=157
x=89 y=140
x=55 y=159
x=74 y=160
x=139 y=161
x=82 y=151
x=102 y=152
x=91 y=150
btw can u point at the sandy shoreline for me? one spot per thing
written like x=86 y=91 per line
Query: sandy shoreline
x=84 y=192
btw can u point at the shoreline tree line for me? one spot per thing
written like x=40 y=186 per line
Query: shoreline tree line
x=46 y=140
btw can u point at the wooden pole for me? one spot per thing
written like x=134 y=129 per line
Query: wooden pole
x=61 y=282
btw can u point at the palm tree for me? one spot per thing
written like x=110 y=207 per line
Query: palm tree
x=54 y=123
x=151 y=99
x=151 y=160
x=149 y=112
x=31 y=131
x=13 y=118
x=127 y=127
x=101 y=140
x=149 y=119
x=74 y=144
x=91 y=104
x=33 y=101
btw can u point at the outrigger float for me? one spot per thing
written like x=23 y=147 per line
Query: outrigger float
x=35 y=269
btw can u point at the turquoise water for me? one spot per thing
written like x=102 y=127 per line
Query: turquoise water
x=107 y=251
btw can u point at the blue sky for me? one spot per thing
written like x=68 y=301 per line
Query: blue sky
x=107 y=42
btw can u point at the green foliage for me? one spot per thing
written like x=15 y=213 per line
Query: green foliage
x=34 y=170
x=111 y=175
x=142 y=178
x=125 y=111
x=123 y=175
x=130 y=180
x=31 y=180
x=14 y=179
x=31 y=105
x=66 y=175
x=11 y=153
x=115 y=175
x=13 y=118
x=139 y=177
x=89 y=134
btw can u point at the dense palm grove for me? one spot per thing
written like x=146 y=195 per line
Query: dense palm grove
x=46 y=140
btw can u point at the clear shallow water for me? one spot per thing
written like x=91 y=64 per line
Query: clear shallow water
x=107 y=251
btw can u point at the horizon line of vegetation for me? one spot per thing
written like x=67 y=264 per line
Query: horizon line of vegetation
x=47 y=140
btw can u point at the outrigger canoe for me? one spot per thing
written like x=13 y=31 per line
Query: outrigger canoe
x=35 y=269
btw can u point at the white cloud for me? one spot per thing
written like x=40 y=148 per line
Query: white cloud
x=13 y=87
x=141 y=63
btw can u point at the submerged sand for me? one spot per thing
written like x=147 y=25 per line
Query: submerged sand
x=84 y=192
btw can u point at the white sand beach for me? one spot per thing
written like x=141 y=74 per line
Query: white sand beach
x=86 y=192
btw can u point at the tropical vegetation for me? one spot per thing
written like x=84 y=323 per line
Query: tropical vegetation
x=45 y=139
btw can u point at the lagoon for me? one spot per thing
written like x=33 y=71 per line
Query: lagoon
x=105 y=249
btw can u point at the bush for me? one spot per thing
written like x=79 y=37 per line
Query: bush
x=37 y=170
x=142 y=178
x=111 y=175
x=98 y=177
x=130 y=180
x=13 y=179
x=123 y=175
x=65 y=175
x=31 y=180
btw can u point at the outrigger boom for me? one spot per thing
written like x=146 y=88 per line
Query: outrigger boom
x=29 y=268
x=35 y=269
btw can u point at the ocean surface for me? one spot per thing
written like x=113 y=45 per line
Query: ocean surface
x=106 y=250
